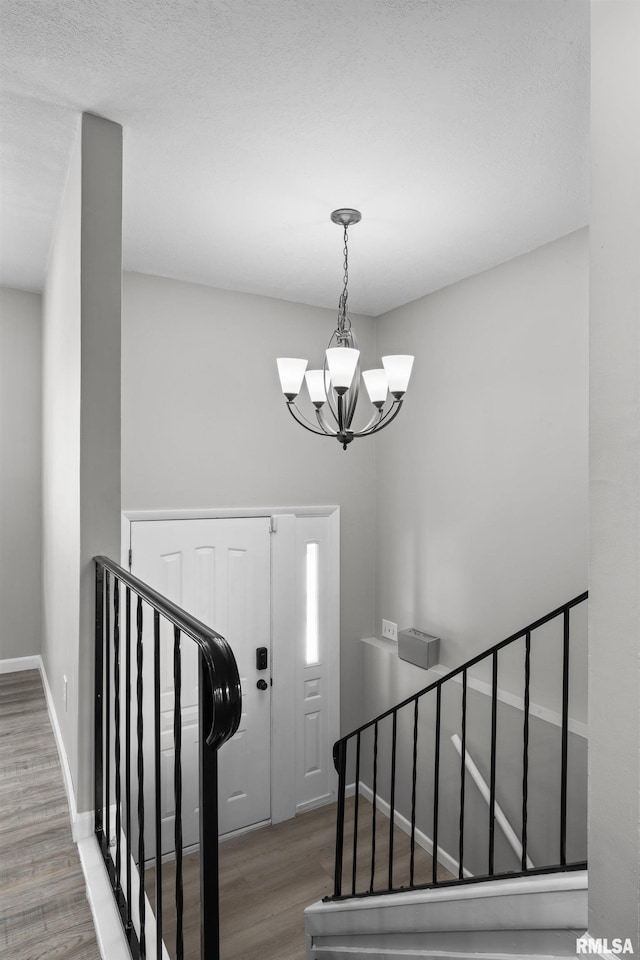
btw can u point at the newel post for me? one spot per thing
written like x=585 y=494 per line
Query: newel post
x=209 y=882
x=340 y=761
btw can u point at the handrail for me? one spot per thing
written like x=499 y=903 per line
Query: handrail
x=463 y=667
x=218 y=657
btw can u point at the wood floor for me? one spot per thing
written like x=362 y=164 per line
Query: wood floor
x=269 y=876
x=44 y=913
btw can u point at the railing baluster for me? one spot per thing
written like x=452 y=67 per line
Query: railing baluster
x=127 y=751
x=98 y=731
x=392 y=797
x=107 y=721
x=463 y=771
x=177 y=786
x=436 y=787
x=355 y=817
x=413 y=794
x=158 y=779
x=492 y=781
x=565 y=739
x=525 y=747
x=140 y=734
x=209 y=880
x=375 y=803
x=116 y=720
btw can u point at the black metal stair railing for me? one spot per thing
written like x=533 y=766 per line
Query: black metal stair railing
x=393 y=765
x=118 y=817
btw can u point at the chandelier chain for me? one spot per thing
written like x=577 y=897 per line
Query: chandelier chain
x=344 y=322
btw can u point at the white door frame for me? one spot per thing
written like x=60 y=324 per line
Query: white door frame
x=283 y=633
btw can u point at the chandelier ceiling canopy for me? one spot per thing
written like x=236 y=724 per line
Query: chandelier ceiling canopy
x=334 y=390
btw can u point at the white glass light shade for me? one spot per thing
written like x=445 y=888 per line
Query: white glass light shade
x=315 y=386
x=398 y=370
x=291 y=371
x=342 y=363
x=377 y=385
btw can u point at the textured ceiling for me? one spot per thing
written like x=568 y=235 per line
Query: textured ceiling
x=458 y=127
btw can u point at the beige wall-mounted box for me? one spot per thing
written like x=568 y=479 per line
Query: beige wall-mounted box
x=419 y=648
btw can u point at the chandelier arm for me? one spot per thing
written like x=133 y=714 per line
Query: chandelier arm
x=331 y=400
x=373 y=422
x=352 y=397
x=324 y=425
x=304 y=422
x=388 y=418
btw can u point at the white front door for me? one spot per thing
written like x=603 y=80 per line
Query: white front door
x=220 y=572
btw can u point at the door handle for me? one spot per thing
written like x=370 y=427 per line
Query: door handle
x=262 y=685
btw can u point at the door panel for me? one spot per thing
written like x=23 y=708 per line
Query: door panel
x=317 y=679
x=219 y=571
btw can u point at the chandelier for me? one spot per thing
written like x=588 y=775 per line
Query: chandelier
x=334 y=390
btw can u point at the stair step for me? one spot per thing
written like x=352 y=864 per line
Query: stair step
x=508 y=919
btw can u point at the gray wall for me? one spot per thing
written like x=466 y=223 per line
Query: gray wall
x=204 y=424
x=81 y=426
x=481 y=483
x=614 y=720
x=20 y=464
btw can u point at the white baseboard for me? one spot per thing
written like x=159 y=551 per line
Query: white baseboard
x=82 y=826
x=578 y=727
x=309 y=805
x=106 y=919
x=16 y=664
x=405 y=825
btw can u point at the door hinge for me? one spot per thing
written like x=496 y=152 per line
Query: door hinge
x=130 y=559
x=273 y=524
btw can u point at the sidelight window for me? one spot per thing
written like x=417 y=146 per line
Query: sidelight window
x=312 y=612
